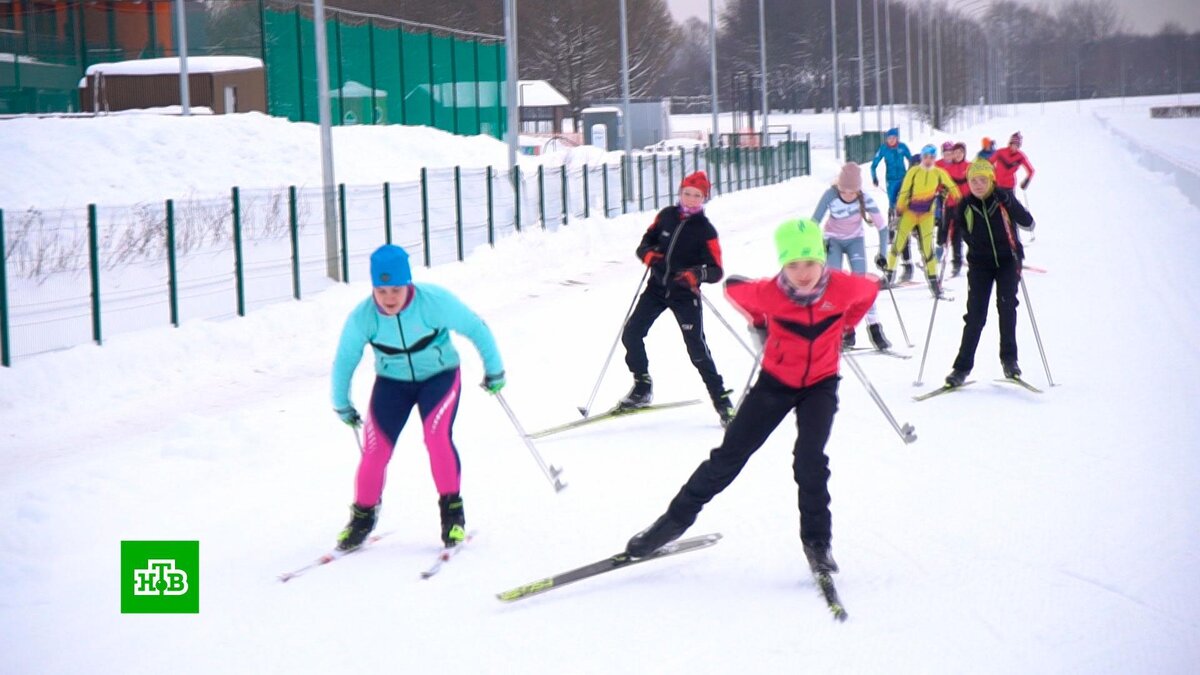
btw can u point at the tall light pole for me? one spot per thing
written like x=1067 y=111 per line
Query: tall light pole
x=920 y=66
x=941 y=83
x=862 y=83
x=715 y=139
x=762 y=66
x=626 y=129
x=933 y=119
x=887 y=29
x=837 y=148
x=511 y=76
x=908 y=99
x=878 y=87
x=331 y=235
x=185 y=94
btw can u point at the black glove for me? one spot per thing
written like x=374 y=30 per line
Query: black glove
x=1029 y=227
x=881 y=262
x=875 y=181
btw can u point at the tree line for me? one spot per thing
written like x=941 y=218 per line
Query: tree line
x=1005 y=51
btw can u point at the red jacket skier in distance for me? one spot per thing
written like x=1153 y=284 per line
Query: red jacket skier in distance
x=803 y=342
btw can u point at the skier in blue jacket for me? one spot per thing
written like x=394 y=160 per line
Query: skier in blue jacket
x=408 y=327
x=898 y=158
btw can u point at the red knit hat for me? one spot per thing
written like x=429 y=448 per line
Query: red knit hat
x=696 y=180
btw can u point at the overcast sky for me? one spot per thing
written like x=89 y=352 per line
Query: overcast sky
x=1141 y=16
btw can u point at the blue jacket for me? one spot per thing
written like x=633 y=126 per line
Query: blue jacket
x=897 y=159
x=415 y=344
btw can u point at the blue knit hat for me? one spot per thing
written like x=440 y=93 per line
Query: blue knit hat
x=389 y=266
x=929 y=150
x=894 y=131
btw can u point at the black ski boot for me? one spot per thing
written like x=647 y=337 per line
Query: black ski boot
x=1011 y=369
x=878 y=341
x=848 y=339
x=362 y=521
x=956 y=267
x=640 y=395
x=724 y=407
x=453 y=520
x=662 y=532
x=820 y=557
x=935 y=287
x=957 y=377
x=906 y=274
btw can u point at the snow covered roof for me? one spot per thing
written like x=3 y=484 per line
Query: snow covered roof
x=539 y=94
x=170 y=65
x=601 y=109
x=354 y=89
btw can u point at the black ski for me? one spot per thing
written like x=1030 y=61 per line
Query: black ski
x=615 y=412
x=608 y=564
x=829 y=591
x=944 y=389
x=1021 y=383
x=871 y=350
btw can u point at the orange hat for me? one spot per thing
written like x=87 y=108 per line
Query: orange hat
x=987 y=142
x=698 y=180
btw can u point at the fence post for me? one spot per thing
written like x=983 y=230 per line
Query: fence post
x=239 y=270
x=626 y=193
x=425 y=212
x=172 y=271
x=345 y=236
x=641 y=186
x=587 y=212
x=516 y=181
x=654 y=167
x=807 y=156
x=294 y=228
x=387 y=210
x=490 y=211
x=604 y=173
x=671 y=176
x=5 y=355
x=94 y=267
x=542 y=194
x=566 y=209
x=458 y=225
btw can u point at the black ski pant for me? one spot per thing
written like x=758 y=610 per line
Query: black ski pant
x=767 y=403
x=980 y=277
x=689 y=313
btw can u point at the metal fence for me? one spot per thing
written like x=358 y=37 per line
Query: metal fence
x=861 y=148
x=77 y=275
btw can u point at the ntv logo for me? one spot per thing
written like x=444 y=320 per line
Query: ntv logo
x=160 y=577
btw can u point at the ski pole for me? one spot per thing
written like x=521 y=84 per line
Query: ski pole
x=929 y=333
x=907 y=433
x=1025 y=199
x=750 y=380
x=552 y=472
x=713 y=308
x=596 y=389
x=903 y=330
x=358 y=439
x=1036 y=334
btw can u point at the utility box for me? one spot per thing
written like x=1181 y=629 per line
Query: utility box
x=649 y=119
x=602 y=127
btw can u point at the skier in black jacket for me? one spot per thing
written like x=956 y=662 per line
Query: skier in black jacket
x=682 y=251
x=994 y=255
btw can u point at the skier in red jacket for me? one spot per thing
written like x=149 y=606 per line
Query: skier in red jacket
x=799 y=316
x=1007 y=161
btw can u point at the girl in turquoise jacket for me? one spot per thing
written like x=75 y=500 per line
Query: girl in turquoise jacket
x=408 y=328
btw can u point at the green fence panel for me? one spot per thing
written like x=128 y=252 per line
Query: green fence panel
x=356 y=93
x=418 y=96
x=388 y=74
x=492 y=115
x=466 y=76
x=283 y=61
x=441 y=73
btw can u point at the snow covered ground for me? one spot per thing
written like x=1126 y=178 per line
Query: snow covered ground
x=1020 y=533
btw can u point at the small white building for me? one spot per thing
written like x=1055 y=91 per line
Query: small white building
x=542 y=107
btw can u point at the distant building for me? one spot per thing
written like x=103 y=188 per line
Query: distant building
x=542 y=107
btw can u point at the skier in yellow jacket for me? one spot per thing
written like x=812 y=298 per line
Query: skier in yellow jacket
x=922 y=185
